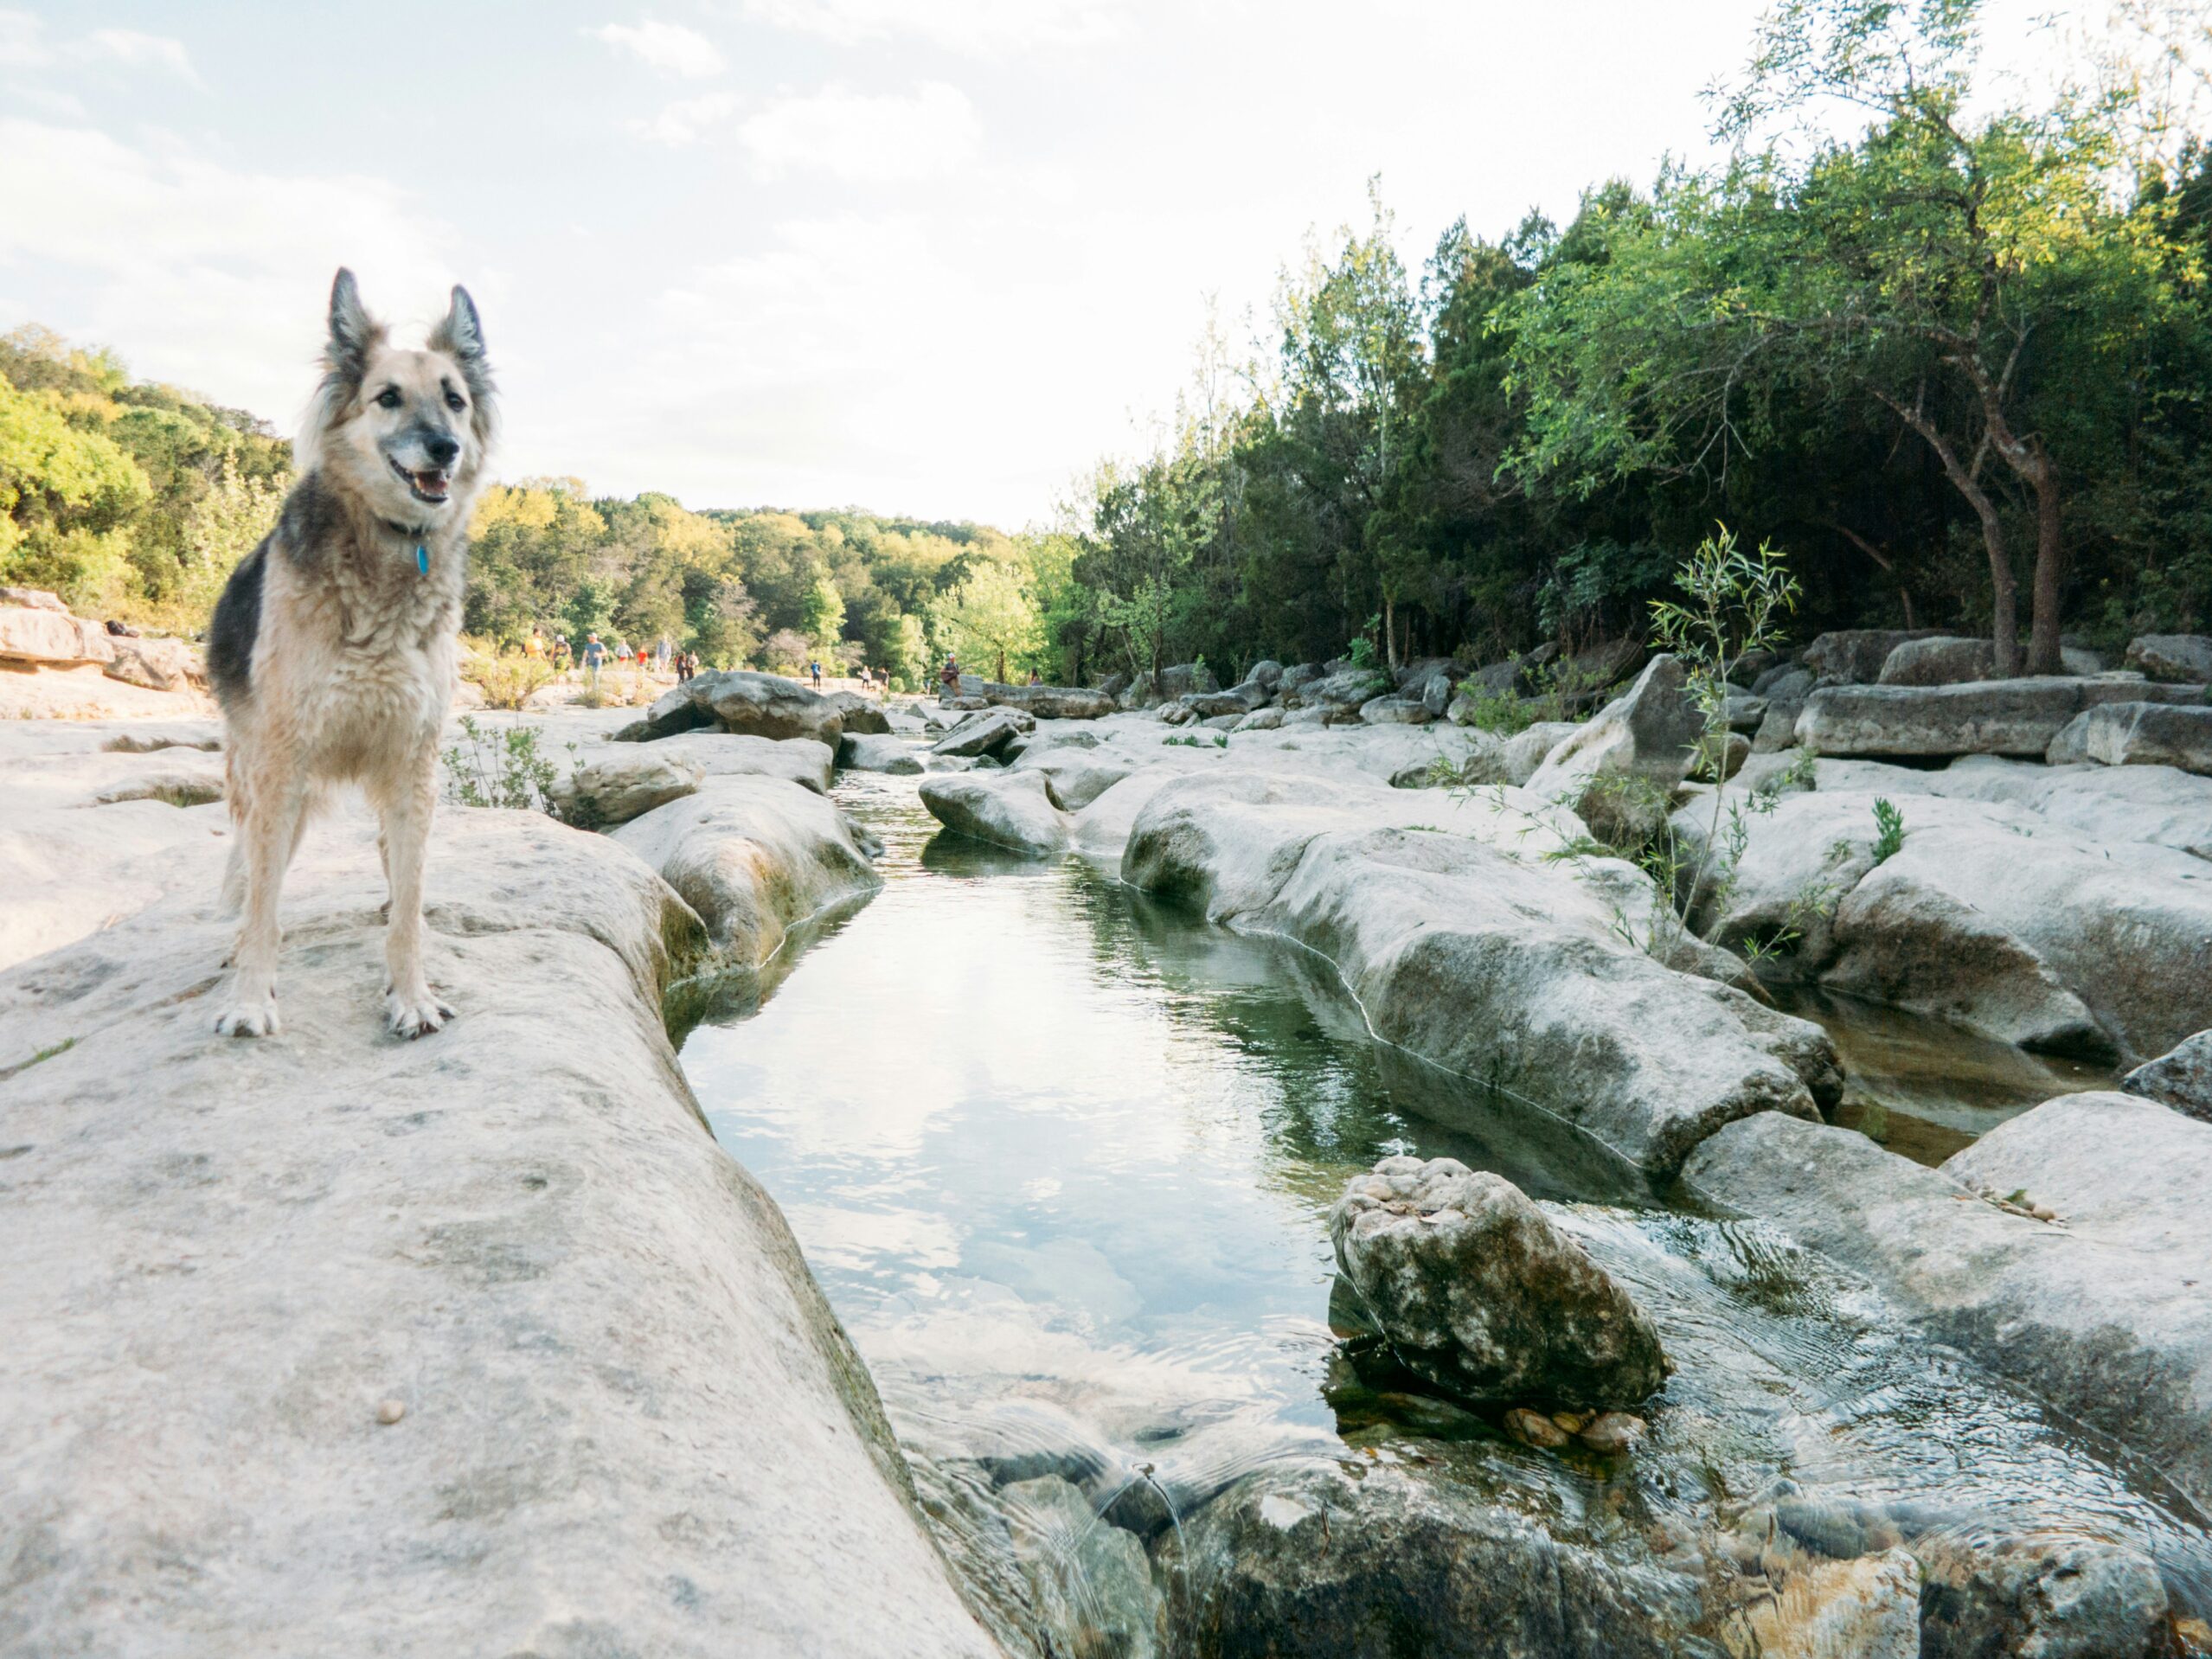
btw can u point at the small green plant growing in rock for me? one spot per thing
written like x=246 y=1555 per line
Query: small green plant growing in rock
x=1732 y=602
x=1888 y=831
x=501 y=769
x=1499 y=713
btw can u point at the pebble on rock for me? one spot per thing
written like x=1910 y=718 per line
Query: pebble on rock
x=391 y=1411
x=1535 y=1429
x=1613 y=1433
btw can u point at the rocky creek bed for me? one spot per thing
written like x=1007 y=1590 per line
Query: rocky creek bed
x=1072 y=1202
x=480 y=1344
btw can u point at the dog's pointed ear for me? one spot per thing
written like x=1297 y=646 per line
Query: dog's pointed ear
x=353 y=331
x=460 y=336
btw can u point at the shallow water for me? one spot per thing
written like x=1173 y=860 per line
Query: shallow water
x=1062 y=1162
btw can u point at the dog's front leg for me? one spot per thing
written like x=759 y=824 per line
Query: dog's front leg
x=268 y=830
x=410 y=1006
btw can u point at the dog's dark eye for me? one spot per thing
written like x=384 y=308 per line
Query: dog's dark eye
x=388 y=398
x=455 y=402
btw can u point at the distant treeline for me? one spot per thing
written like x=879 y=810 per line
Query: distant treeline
x=1958 y=368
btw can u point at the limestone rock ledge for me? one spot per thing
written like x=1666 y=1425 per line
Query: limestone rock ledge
x=2102 y=1311
x=626 y=1421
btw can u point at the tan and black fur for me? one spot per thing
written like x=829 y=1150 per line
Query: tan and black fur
x=333 y=650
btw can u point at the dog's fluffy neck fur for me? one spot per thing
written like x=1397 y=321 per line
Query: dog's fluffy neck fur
x=374 y=575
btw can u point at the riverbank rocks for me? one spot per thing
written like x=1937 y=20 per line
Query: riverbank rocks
x=2185 y=658
x=861 y=716
x=1988 y=916
x=2112 y=805
x=2138 y=734
x=1618 y=772
x=157 y=664
x=1336 y=1562
x=798 y=760
x=1938 y=660
x=2105 y=1315
x=1462 y=942
x=1395 y=710
x=616 y=788
x=1855 y=656
x=751 y=705
x=1050 y=702
x=987 y=733
x=40 y=637
x=1482 y=1295
x=1175 y=682
x=752 y=856
x=2007 y=717
x=1010 y=809
x=875 y=752
x=631 y=1424
x=2053 y=1597
x=2182 y=1079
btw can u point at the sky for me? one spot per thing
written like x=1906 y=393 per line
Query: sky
x=926 y=256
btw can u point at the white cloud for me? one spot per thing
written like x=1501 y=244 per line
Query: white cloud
x=856 y=136
x=669 y=47
x=982 y=27
x=684 y=121
x=200 y=272
x=24 y=45
x=129 y=46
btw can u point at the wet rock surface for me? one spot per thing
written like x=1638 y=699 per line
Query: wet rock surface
x=2100 y=1310
x=2182 y=1079
x=1471 y=949
x=1480 y=1294
x=752 y=856
x=1375 y=1563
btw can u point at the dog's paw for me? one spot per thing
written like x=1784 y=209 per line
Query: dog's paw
x=415 y=1016
x=249 y=1017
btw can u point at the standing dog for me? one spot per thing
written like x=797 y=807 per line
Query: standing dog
x=334 y=646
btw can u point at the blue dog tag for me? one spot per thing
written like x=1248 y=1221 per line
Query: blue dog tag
x=422 y=558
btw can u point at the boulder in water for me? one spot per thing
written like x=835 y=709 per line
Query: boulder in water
x=874 y=752
x=979 y=734
x=2182 y=1079
x=1327 y=1562
x=859 y=716
x=1481 y=1294
x=1009 y=809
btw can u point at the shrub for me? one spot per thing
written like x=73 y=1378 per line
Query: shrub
x=507 y=681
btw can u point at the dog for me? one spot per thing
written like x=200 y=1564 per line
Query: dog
x=334 y=648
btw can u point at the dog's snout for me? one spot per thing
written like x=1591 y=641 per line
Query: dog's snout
x=441 y=449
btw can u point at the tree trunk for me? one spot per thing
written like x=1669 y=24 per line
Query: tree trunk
x=1888 y=569
x=2043 y=656
x=1389 y=631
x=2004 y=625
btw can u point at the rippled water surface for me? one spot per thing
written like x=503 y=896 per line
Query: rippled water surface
x=1062 y=1162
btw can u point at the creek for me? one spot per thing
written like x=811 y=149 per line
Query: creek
x=1062 y=1160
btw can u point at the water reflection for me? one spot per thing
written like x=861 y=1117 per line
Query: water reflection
x=1062 y=1159
x=1924 y=1088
